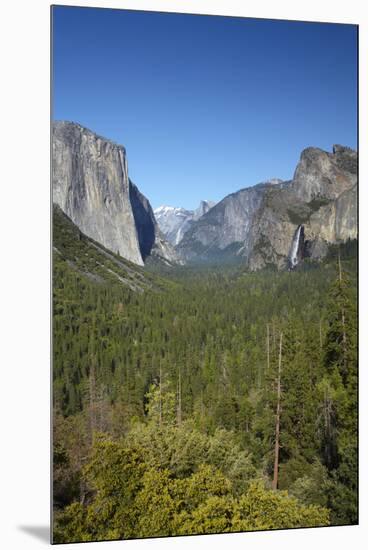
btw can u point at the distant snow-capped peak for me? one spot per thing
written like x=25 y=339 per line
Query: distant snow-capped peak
x=174 y=221
x=169 y=210
x=274 y=181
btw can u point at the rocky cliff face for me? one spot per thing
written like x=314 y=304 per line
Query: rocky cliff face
x=203 y=208
x=91 y=185
x=151 y=240
x=174 y=222
x=322 y=174
x=321 y=198
x=225 y=227
x=260 y=223
x=77 y=252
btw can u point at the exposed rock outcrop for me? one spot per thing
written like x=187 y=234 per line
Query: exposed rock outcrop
x=92 y=186
x=256 y=225
x=174 y=222
x=321 y=197
x=259 y=223
x=77 y=252
x=226 y=225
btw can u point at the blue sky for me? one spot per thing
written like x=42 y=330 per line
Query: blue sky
x=205 y=105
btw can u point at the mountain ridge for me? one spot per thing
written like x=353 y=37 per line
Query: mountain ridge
x=175 y=221
x=259 y=222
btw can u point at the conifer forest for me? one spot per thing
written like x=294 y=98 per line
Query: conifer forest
x=201 y=399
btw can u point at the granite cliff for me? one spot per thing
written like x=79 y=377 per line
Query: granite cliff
x=275 y=223
x=260 y=224
x=75 y=252
x=225 y=228
x=92 y=186
x=321 y=198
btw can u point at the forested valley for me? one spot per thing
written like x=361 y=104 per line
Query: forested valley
x=217 y=400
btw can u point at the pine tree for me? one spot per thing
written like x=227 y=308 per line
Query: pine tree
x=277 y=425
x=341 y=400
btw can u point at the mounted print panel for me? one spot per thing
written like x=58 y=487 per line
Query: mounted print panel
x=204 y=186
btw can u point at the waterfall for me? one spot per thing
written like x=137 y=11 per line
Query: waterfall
x=294 y=254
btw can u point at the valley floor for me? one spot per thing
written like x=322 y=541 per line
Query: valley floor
x=214 y=400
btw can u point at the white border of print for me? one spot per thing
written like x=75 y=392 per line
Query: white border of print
x=25 y=271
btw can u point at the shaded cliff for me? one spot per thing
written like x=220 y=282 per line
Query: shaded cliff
x=152 y=242
x=74 y=252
